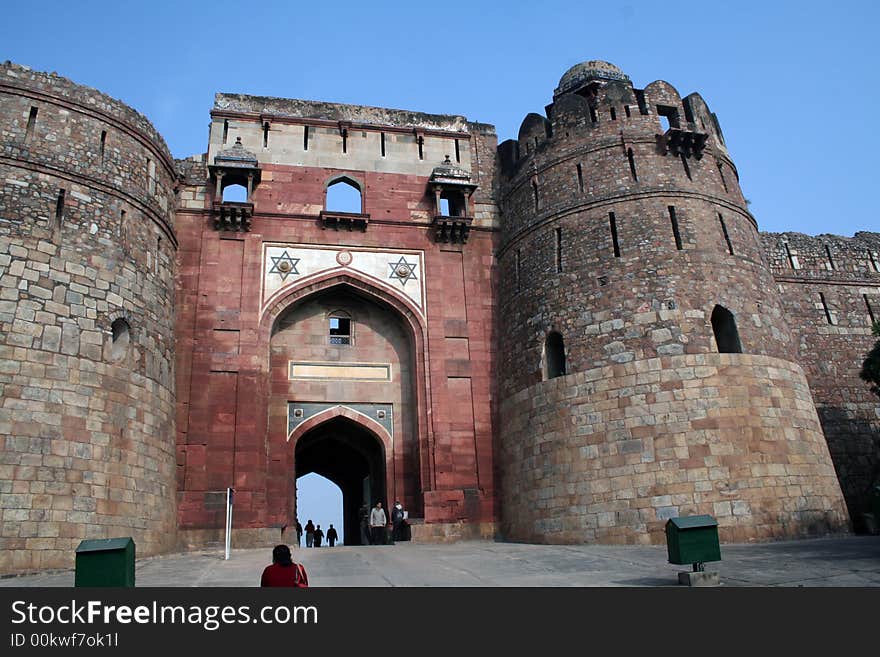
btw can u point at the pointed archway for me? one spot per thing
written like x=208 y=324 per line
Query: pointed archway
x=375 y=365
x=350 y=453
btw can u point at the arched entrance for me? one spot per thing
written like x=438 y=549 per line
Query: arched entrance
x=353 y=458
x=346 y=380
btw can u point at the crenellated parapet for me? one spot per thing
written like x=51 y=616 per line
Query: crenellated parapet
x=54 y=124
x=614 y=139
x=824 y=257
x=351 y=140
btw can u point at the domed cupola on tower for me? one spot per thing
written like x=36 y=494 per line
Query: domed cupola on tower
x=234 y=166
x=583 y=78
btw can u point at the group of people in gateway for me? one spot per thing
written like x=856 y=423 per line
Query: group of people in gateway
x=284 y=571
x=374 y=525
x=315 y=535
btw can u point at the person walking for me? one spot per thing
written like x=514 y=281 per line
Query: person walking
x=332 y=536
x=397 y=520
x=299 y=534
x=319 y=536
x=283 y=571
x=310 y=534
x=377 y=524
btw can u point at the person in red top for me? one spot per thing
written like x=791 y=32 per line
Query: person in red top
x=283 y=571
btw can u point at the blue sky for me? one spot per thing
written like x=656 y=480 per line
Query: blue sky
x=320 y=501
x=794 y=84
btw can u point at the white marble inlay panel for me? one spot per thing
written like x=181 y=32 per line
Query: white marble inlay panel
x=292 y=265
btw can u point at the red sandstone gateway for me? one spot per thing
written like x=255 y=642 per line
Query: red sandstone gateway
x=570 y=337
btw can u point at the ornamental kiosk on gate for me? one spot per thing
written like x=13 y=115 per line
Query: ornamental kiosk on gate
x=694 y=540
x=105 y=562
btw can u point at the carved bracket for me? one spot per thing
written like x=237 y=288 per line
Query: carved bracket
x=452 y=229
x=682 y=142
x=348 y=220
x=233 y=216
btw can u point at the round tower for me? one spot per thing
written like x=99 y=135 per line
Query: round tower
x=87 y=271
x=646 y=369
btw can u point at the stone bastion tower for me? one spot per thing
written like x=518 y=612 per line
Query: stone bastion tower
x=87 y=270
x=646 y=369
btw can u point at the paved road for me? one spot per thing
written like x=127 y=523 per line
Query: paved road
x=852 y=561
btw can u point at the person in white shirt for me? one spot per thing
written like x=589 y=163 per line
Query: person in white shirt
x=377 y=524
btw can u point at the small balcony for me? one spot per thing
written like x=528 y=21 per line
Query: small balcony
x=682 y=142
x=452 y=189
x=233 y=216
x=345 y=220
x=452 y=229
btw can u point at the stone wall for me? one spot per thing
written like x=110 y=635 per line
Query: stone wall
x=87 y=275
x=830 y=289
x=609 y=454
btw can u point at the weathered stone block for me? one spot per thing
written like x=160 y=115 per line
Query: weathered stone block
x=704 y=578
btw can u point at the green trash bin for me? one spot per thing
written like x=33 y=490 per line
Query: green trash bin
x=105 y=562
x=693 y=540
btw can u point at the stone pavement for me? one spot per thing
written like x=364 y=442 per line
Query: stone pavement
x=852 y=561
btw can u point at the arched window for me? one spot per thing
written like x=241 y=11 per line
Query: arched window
x=235 y=194
x=452 y=204
x=554 y=356
x=726 y=334
x=120 y=339
x=344 y=195
x=340 y=327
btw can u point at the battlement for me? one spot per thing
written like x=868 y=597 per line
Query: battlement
x=603 y=140
x=596 y=105
x=285 y=132
x=824 y=257
x=63 y=90
x=598 y=102
x=358 y=115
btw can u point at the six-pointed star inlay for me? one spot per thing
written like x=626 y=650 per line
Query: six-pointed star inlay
x=284 y=265
x=403 y=271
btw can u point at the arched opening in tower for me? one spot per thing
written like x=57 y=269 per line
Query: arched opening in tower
x=120 y=339
x=554 y=356
x=726 y=333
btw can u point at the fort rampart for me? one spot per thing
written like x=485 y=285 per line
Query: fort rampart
x=87 y=275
